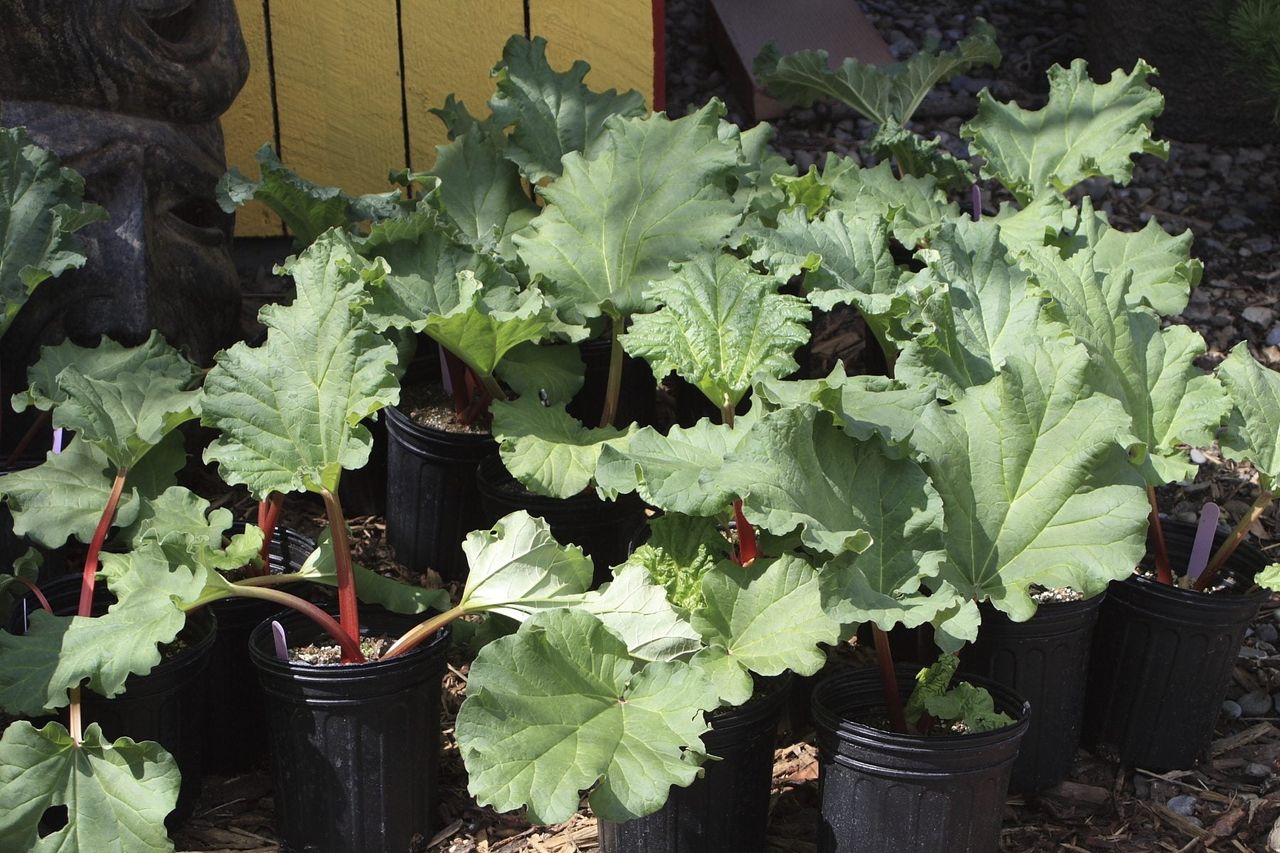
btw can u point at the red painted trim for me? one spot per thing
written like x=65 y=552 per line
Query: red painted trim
x=659 y=55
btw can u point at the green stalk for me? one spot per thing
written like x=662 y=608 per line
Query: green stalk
x=350 y=647
x=419 y=633
x=727 y=414
x=491 y=385
x=615 y=376
x=1233 y=541
x=348 y=607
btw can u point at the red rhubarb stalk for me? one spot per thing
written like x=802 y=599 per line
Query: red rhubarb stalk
x=1163 y=573
x=747 y=550
x=95 y=545
x=268 y=516
x=889 y=682
x=348 y=608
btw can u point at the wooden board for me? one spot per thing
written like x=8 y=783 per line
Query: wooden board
x=431 y=71
x=614 y=36
x=338 y=91
x=741 y=28
x=250 y=123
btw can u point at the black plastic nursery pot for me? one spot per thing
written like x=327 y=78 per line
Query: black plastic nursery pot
x=881 y=791
x=354 y=748
x=167 y=705
x=727 y=809
x=432 y=498
x=1045 y=660
x=236 y=724
x=1162 y=658
x=603 y=529
x=363 y=491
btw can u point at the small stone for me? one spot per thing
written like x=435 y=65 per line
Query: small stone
x=1198 y=457
x=1267 y=633
x=1234 y=222
x=1141 y=787
x=1273 y=336
x=1250 y=653
x=1255 y=703
x=1259 y=314
x=1221 y=163
x=1183 y=804
x=1231 y=709
x=1254 y=770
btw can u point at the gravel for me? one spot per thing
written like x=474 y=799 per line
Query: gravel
x=1255 y=703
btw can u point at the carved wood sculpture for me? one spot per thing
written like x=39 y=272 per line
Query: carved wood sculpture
x=128 y=93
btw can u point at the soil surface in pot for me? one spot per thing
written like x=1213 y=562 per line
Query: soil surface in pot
x=331 y=654
x=428 y=405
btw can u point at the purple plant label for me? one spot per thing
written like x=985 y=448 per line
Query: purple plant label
x=445 y=378
x=1204 y=540
x=975 y=194
x=57 y=440
x=282 y=645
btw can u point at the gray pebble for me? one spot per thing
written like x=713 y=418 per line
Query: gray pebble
x=1141 y=787
x=1254 y=770
x=1267 y=633
x=1231 y=709
x=1183 y=804
x=1273 y=336
x=1255 y=703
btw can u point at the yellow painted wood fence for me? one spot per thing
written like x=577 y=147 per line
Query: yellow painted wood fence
x=342 y=87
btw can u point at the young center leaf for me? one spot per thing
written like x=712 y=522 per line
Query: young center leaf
x=550 y=112
x=862 y=405
x=117 y=794
x=1035 y=482
x=1253 y=429
x=647 y=193
x=480 y=189
x=886 y=94
x=767 y=617
x=914 y=207
x=41 y=208
x=1086 y=129
x=289 y=411
x=560 y=707
x=720 y=325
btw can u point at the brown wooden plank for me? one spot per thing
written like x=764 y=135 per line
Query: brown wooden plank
x=449 y=47
x=741 y=28
x=249 y=123
x=615 y=38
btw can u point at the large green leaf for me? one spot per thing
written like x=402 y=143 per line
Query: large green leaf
x=1085 y=130
x=1253 y=430
x=555 y=370
x=488 y=323
x=65 y=496
x=550 y=112
x=129 y=414
x=886 y=94
x=915 y=208
x=59 y=652
x=306 y=208
x=676 y=472
x=768 y=617
x=117 y=794
x=1035 y=483
x=480 y=188
x=647 y=193
x=637 y=611
x=980 y=309
x=41 y=206
x=547 y=450
x=560 y=707
x=105 y=361
x=1150 y=370
x=289 y=411
x=517 y=567
x=720 y=325
x=796 y=468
